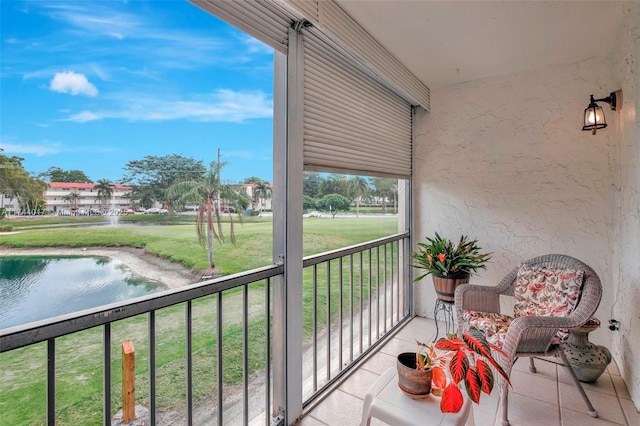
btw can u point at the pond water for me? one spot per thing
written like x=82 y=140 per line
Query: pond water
x=33 y=288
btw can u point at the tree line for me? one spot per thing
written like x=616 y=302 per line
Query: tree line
x=153 y=179
x=16 y=182
x=175 y=181
x=334 y=192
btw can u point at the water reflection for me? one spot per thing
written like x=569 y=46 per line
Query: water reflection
x=38 y=287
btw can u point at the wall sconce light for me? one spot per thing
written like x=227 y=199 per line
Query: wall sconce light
x=594 y=115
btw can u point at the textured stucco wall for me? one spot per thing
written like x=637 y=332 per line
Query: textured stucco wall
x=626 y=248
x=504 y=160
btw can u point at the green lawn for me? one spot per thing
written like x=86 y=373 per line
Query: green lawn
x=79 y=356
x=53 y=220
x=179 y=243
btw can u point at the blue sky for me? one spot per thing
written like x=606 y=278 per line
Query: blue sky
x=90 y=85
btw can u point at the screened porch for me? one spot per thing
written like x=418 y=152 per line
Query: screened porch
x=487 y=144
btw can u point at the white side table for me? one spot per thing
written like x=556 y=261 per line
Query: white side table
x=385 y=401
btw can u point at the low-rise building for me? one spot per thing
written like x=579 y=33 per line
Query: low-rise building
x=57 y=200
x=258 y=201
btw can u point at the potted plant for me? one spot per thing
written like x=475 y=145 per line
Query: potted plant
x=467 y=360
x=449 y=264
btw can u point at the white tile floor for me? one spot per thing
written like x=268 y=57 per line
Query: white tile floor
x=547 y=398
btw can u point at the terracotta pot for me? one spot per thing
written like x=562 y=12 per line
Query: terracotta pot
x=446 y=285
x=416 y=383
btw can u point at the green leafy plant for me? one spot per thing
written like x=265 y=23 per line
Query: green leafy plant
x=441 y=257
x=468 y=359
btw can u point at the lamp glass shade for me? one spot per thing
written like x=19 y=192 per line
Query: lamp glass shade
x=594 y=118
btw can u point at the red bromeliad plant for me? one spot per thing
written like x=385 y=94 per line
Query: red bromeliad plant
x=442 y=257
x=468 y=359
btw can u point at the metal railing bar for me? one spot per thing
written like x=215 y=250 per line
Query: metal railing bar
x=315 y=327
x=351 y=308
x=267 y=333
x=408 y=278
x=189 y=360
x=51 y=382
x=334 y=254
x=152 y=367
x=385 y=277
x=341 y=296
x=106 y=345
x=361 y=302
x=39 y=331
x=398 y=282
x=219 y=357
x=370 y=305
x=393 y=286
x=328 y=364
x=377 y=292
x=245 y=354
x=311 y=400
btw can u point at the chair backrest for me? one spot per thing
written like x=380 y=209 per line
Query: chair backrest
x=590 y=294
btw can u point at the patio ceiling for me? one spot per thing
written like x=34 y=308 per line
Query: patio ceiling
x=449 y=42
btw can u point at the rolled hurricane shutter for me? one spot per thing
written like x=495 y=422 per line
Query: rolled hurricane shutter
x=264 y=20
x=335 y=23
x=352 y=123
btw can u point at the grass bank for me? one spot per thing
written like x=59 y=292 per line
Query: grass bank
x=29 y=222
x=178 y=243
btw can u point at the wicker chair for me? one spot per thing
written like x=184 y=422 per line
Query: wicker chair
x=532 y=336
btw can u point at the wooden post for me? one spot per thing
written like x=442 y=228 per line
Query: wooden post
x=128 y=382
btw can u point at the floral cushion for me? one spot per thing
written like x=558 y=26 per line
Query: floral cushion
x=542 y=291
x=539 y=291
x=493 y=324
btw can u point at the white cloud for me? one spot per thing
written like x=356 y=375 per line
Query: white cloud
x=95 y=26
x=39 y=74
x=97 y=69
x=100 y=71
x=96 y=19
x=256 y=46
x=75 y=84
x=220 y=106
x=38 y=150
x=83 y=117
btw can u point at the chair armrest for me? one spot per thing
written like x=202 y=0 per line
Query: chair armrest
x=473 y=297
x=539 y=331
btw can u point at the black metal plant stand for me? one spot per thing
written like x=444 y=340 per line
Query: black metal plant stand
x=447 y=309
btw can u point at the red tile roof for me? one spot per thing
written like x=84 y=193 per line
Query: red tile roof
x=71 y=185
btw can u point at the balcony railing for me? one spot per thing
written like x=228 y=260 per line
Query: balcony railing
x=358 y=295
x=225 y=325
x=204 y=352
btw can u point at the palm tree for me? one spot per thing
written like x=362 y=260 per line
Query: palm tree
x=261 y=192
x=104 y=191
x=333 y=184
x=207 y=192
x=71 y=197
x=358 y=189
x=385 y=188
